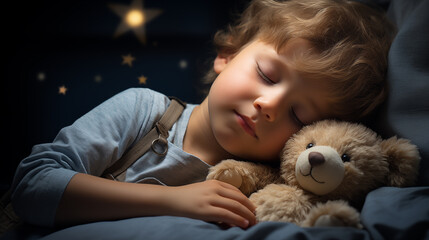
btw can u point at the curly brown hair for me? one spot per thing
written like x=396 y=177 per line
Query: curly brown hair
x=351 y=41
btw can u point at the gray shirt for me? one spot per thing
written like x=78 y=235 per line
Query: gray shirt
x=93 y=143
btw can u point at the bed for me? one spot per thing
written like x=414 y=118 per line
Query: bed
x=388 y=213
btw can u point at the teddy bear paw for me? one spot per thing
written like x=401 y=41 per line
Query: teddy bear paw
x=333 y=221
x=230 y=176
x=226 y=172
x=333 y=214
x=329 y=221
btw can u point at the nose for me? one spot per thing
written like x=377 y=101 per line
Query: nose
x=316 y=158
x=268 y=106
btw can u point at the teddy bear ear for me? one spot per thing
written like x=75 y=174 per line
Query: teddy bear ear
x=404 y=159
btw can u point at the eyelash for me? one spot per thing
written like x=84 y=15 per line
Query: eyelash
x=268 y=80
x=295 y=117
x=263 y=76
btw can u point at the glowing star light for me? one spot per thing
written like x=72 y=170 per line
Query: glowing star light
x=62 y=90
x=134 y=17
x=41 y=76
x=142 y=79
x=183 y=64
x=128 y=60
x=98 y=78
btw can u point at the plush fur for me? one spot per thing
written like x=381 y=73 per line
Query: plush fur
x=326 y=168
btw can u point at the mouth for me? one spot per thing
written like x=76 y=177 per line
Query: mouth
x=247 y=124
x=311 y=175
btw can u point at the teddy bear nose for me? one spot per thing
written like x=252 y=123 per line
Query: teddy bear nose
x=315 y=159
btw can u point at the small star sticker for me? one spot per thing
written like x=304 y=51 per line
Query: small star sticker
x=62 y=90
x=142 y=79
x=128 y=60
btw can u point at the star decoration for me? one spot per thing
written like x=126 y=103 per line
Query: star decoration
x=142 y=79
x=62 y=90
x=128 y=60
x=135 y=18
x=41 y=76
x=98 y=78
x=183 y=64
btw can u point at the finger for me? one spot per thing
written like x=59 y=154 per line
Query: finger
x=226 y=185
x=237 y=208
x=239 y=197
x=230 y=218
x=234 y=200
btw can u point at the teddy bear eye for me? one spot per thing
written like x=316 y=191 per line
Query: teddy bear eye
x=345 y=158
x=310 y=145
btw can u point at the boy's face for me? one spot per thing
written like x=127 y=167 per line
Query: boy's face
x=258 y=101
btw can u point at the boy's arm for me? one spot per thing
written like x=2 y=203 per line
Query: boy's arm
x=91 y=144
x=88 y=198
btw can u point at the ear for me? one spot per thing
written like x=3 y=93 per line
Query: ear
x=220 y=62
x=404 y=159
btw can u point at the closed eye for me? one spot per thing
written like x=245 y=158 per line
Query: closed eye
x=296 y=118
x=263 y=76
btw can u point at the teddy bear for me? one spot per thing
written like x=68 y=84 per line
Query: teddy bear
x=325 y=172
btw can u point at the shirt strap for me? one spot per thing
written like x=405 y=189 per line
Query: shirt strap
x=156 y=140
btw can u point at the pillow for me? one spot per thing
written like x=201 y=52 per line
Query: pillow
x=406 y=112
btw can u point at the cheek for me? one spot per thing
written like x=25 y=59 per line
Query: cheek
x=276 y=138
x=234 y=82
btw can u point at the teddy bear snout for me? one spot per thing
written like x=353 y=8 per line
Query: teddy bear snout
x=316 y=159
x=319 y=169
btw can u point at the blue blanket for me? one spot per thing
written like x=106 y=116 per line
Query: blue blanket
x=388 y=213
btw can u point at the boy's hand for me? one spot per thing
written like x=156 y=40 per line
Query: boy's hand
x=213 y=201
x=88 y=199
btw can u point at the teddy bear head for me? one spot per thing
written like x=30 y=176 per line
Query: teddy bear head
x=342 y=160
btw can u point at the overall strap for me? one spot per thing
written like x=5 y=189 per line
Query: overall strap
x=156 y=140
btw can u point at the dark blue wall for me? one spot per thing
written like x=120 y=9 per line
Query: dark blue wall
x=71 y=43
